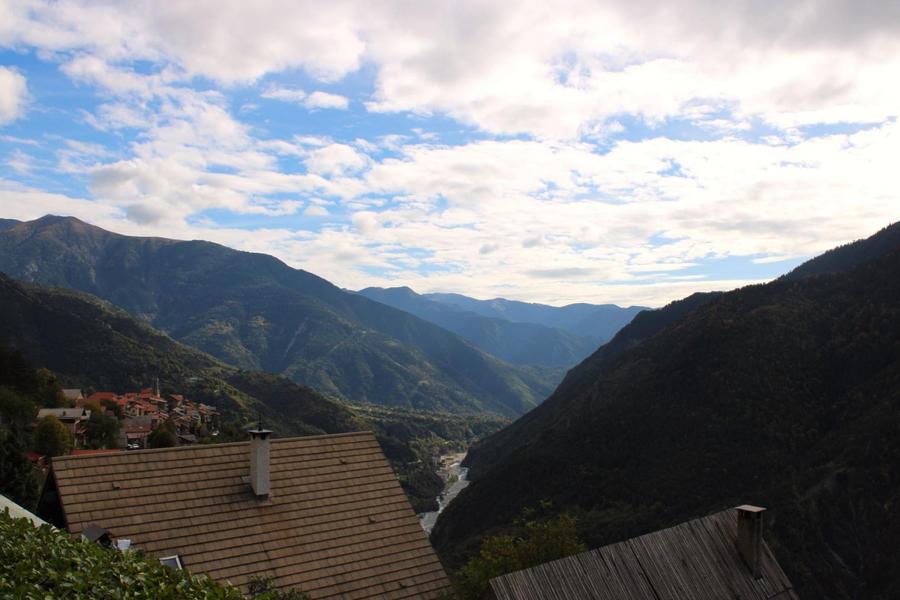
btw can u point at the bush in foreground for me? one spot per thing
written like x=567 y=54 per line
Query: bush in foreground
x=539 y=541
x=41 y=562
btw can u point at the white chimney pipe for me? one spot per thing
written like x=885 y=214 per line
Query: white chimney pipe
x=749 y=537
x=259 y=461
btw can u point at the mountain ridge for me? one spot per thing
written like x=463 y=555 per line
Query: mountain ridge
x=785 y=394
x=514 y=342
x=253 y=311
x=90 y=343
x=598 y=322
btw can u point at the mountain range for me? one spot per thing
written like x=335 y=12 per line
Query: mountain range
x=255 y=312
x=596 y=322
x=537 y=334
x=90 y=343
x=785 y=395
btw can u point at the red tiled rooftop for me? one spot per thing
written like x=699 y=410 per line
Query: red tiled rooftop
x=90 y=452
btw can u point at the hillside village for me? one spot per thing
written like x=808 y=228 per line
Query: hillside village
x=136 y=416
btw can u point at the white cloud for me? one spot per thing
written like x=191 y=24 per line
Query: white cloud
x=316 y=211
x=552 y=71
x=285 y=94
x=20 y=162
x=317 y=99
x=13 y=95
x=336 y=159
x=564 y=212
x=325 y=100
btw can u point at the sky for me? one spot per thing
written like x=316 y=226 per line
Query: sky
x=630 y=152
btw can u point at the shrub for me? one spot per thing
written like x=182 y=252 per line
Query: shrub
x=41 y=562
x=51 y=437
x=541 y=541
x=161 y=437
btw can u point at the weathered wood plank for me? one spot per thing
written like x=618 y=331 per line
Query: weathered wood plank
x=696 y=560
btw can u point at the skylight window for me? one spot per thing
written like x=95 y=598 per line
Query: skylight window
x=173 y=561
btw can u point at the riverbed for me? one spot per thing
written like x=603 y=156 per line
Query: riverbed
x=455 y=481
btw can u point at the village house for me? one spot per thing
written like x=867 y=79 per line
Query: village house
x=133 y=432
x=324 y=514
x=102 y=397
x=73 y=418
x=722 y=555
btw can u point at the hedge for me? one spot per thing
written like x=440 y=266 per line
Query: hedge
x=44 y=563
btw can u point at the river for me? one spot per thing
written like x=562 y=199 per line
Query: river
x=455 y=480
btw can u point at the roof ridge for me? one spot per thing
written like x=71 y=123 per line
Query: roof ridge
x=366 y=432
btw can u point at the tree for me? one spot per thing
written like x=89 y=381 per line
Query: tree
x=101 y=431
x=52 y=437
x=16 y=411
x=540 y=542
x=162 y=437
x=17 y=477
x=50 y=394
x=16 y=373
x=18 y=480
x=112 y=406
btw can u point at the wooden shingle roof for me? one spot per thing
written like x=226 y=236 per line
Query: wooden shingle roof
x=336 y=525
x=697 y=560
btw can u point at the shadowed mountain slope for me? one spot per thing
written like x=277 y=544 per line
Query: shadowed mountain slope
x=785 y=395
x=89 y=343
x=255 y=312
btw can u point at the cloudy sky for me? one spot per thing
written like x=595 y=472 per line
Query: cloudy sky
x=621 y=151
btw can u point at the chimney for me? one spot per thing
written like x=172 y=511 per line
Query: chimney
x=751 y=521
x=259 y=461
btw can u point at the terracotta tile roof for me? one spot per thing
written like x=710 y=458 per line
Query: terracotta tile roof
x=101 y=396
x=91 y=452
x=696 y=559
x=137 y=424
x=337 y=524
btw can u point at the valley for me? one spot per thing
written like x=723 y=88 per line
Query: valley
x=455 y=478
x=784 y=395
x=802 y=369
x=447 y=300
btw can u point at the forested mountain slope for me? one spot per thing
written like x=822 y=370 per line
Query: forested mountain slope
x=785 y=395
x=255 y=312
x=646 y=324
x=844 y=258
x=89 y=343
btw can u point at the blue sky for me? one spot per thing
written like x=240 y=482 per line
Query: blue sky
x=595 y=152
